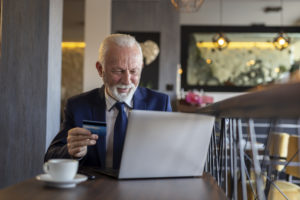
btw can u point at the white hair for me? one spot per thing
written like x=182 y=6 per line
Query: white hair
x=122 y=40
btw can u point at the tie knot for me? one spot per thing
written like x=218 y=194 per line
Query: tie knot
x=120 y=106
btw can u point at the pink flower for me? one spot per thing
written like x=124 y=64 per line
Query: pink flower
x=193 y=98
x=207 y=99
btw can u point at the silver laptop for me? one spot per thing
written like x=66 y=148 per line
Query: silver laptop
x=165 y=144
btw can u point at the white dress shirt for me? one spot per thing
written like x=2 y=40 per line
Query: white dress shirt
x=111 y=115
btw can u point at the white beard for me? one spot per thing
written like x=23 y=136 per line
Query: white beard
x=122 y=96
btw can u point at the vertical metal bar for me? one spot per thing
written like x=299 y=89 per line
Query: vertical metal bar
x=249 y=178
x=226 y=162
x=235 y=169
x=230 y=147
x=213 y=155
x=216 y=156
x=242 y=161
x=211 y=158
x=220 y=143
x=206 y=163
x=231 y=156
x=257 y=169
x=221 y=152
x=268 y=167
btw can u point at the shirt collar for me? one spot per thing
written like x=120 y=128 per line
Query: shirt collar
x=110 y=102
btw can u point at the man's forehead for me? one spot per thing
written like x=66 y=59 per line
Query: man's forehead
x=123 y=54
x=114 y=58
x=115 y=47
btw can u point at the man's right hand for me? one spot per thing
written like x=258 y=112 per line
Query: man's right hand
x=78 y=140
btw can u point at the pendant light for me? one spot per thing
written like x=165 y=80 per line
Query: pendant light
x=281 y=41
x=187 y=5
x=220 y=40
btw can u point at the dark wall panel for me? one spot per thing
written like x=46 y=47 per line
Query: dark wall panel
x=152 y=16
x=23 y=89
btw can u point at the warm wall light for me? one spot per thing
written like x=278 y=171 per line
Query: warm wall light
x=239 y=45
x=73 y=45
x=282 y=41
x=220 y=41
x=187 y=5
x=180 y=71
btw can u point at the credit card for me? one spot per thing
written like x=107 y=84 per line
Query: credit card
x=96 y=127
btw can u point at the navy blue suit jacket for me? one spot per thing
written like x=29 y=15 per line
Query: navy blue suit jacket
x=91 y=106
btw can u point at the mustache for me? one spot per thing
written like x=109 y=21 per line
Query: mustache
x=125 y=86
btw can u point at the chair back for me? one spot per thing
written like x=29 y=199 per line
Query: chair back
x=293 y=155
x=278 y=147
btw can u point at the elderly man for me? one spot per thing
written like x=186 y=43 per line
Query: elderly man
x=120 y=65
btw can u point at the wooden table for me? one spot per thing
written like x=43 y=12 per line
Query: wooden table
x=105 y=188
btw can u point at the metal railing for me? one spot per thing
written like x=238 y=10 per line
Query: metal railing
x=237 y=169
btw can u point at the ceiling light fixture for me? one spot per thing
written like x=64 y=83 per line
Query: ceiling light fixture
x=281 y=41
x=220 y=40
x=187 y=5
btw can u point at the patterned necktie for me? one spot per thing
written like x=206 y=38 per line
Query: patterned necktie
x=119 y=134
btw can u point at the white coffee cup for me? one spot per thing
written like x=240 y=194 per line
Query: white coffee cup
x=61 y=169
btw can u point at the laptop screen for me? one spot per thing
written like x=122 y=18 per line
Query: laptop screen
x=165 y=144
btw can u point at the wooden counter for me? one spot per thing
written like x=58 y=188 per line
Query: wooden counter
x=106 y=188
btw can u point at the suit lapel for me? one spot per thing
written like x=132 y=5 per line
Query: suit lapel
x=138 y=100
x=99 y=106
x=99 y=114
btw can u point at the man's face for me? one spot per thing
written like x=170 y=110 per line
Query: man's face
x=122 y=71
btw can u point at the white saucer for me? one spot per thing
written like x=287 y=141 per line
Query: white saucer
x=61 y=184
